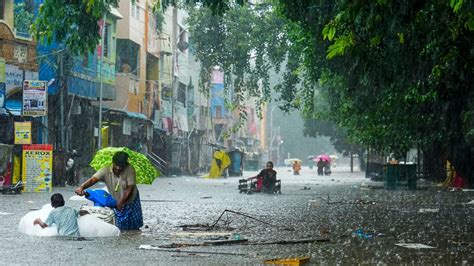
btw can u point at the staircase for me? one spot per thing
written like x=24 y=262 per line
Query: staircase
x=158 y=162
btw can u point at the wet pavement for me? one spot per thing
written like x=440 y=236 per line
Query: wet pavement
x=328 y=207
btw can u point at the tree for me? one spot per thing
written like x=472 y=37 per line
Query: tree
x=392 y=73
x=23 y=17
x=244 y=44
x=75 y=23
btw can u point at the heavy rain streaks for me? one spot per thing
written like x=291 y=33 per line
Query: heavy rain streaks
x=384 y=218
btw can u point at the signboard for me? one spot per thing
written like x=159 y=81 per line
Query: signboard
x=13 y=78
x=182 y=118
x=37 y=167
x=127 y=127
x=165 y=108
x=23 y=132
x=35 y=95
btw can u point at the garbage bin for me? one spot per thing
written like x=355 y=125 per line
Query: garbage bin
x=396 y=175
x=236 y=163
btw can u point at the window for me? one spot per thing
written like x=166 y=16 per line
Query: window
x=2 y=9
x=133 y=88
x=218 y=111
x=165 y=92
x=23 y=14
x=204 y=111
x=135 y=11
x=133 y=7
x=85 y=61
x=182 y=94
x=128 y=57
x=107 y=33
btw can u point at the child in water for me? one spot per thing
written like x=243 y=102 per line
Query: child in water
x=64 y=217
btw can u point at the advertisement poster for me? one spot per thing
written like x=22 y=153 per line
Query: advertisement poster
x=34 y=98
x=37 y=172
x=127 y=127
x=23 y=132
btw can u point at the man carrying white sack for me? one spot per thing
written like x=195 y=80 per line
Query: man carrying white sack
x=120 y=179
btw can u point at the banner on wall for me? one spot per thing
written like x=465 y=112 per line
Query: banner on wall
x=23 y=132
x=35 y=95
x=37 y=167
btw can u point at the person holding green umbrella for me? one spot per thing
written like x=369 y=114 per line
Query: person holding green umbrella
x=120 y=179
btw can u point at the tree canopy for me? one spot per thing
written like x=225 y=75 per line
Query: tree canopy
x=393 y=74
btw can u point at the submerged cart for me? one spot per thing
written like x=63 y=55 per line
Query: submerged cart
x=250 y=186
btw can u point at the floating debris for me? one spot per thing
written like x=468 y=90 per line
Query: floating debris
x=288 y=261
x=428 y=210
x=414 y=245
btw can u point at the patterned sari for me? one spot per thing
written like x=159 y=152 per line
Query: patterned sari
x=130 y=216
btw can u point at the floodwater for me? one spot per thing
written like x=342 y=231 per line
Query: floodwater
x=324 y=207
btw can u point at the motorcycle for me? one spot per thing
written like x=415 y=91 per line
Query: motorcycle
x=72 y=175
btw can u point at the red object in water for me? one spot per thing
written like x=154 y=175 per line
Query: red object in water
x=459 y=181
x=259 y=184
x=8 y=174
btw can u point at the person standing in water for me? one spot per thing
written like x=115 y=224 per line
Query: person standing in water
x=120 y=179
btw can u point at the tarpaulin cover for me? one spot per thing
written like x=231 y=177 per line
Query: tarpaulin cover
x=101 y=198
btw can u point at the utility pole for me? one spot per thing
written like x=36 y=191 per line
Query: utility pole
x=173 y=85
x=173 y=72
x=278 y=147
x=101 y=62
x=272 y=134
x=61 y=101
x=352 y=160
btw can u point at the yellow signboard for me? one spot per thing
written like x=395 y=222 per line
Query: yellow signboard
x=37 y=169
x=22 y=132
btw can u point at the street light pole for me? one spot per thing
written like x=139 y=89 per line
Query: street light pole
x=272 y=135
x=61 y=101
x=173 y=66
x=101 y=63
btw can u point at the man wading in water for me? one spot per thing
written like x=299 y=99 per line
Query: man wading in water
x=120 y=180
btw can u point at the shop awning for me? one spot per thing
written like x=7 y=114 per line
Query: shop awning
x=134 y=115
x=115 y=13
x=12 y=107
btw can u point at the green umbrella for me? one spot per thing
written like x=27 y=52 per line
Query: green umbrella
x=145 y=171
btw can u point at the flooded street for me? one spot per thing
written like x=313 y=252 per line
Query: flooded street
x=310 y=207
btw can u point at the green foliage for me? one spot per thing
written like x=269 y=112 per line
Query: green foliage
x=73 y=22
x=456 y=5
x=393 y=73
x=23 y=18
x=341 y=44
x=244 y=44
